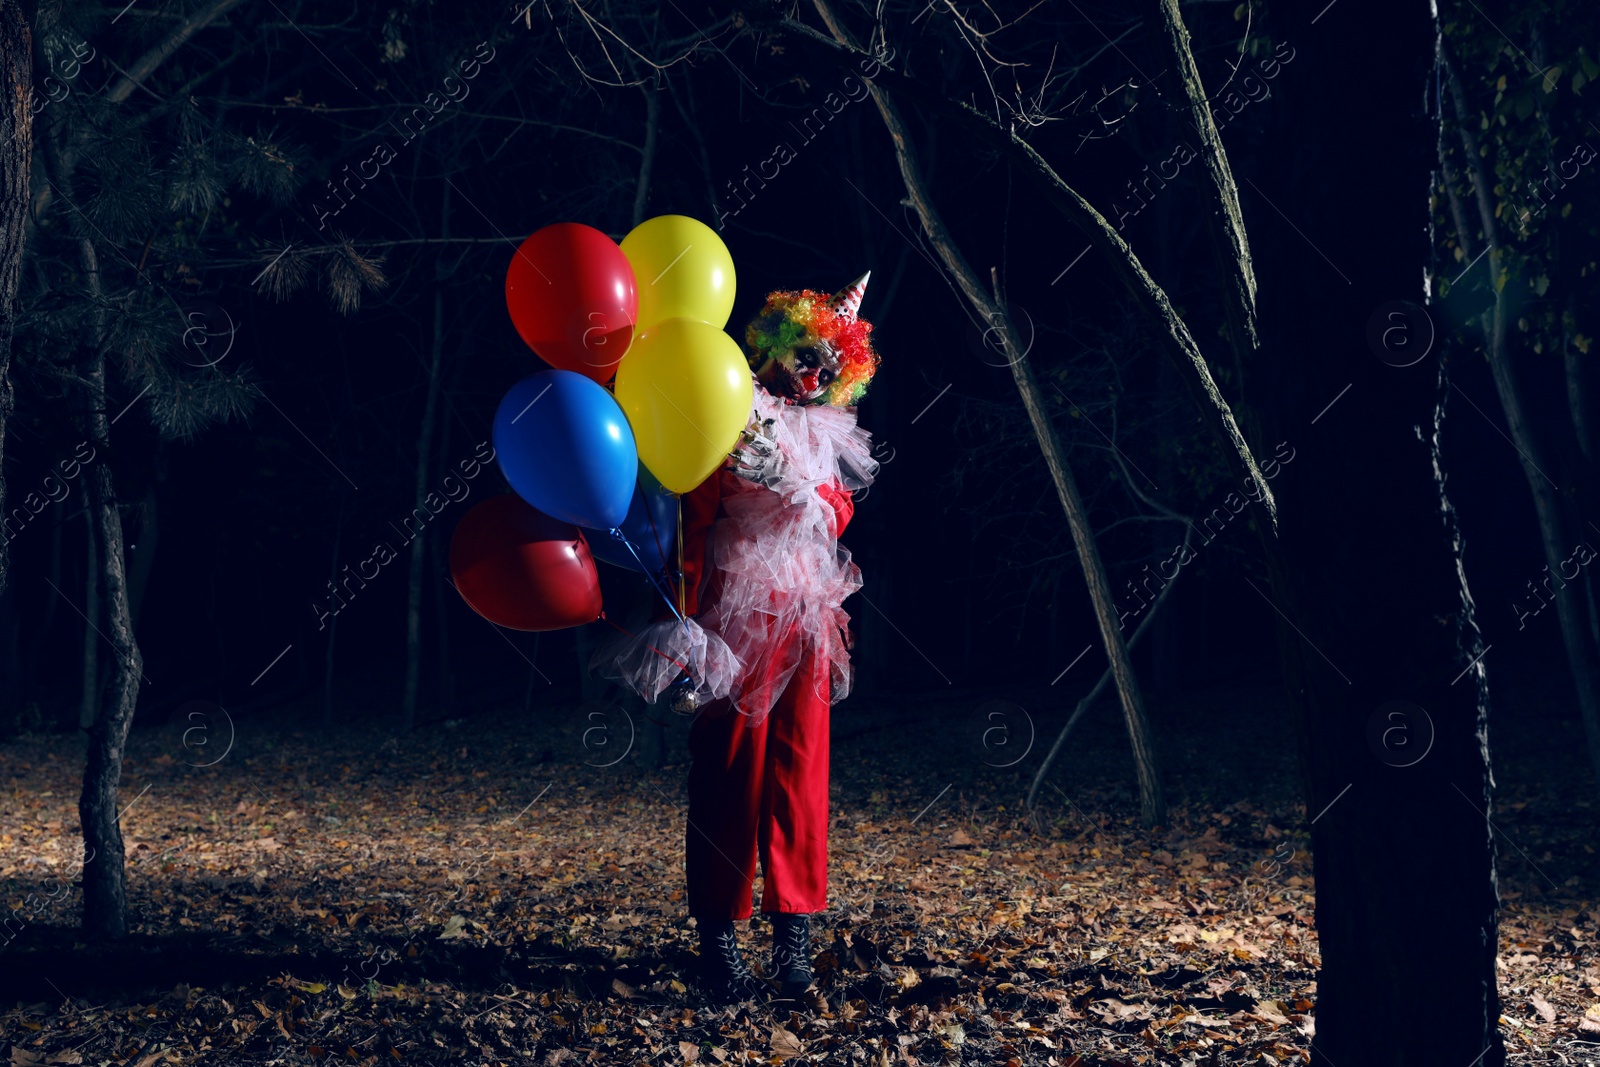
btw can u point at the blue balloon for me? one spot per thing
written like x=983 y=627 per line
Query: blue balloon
x=652 y=526
x=567 y=449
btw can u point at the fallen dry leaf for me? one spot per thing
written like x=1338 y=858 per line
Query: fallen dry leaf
x=985 y=944
x=783 y=1043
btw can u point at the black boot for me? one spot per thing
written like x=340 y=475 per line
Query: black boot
x=723 y=973
x=791 y=953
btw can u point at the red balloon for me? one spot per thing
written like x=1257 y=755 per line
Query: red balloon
x=573 y=298
x=519 y=568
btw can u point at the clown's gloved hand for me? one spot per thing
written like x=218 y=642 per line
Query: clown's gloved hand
x=757 y=459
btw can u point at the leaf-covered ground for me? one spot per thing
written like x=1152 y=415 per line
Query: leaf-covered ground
x=508 y=888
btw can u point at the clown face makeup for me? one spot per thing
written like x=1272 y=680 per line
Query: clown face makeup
x=801 y=372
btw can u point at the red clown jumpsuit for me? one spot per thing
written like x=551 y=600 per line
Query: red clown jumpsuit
x=758 y=786
x=765 y=641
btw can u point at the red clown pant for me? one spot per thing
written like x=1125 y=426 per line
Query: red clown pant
x=757 y=791
x=760 y=789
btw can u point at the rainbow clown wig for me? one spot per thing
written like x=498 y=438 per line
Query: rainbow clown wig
x=811 y=348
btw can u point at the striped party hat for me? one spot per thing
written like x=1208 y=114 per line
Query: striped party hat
x=847 y=301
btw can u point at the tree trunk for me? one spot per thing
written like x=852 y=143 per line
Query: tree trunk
x=533 y=672
x=1557 y=536
x=443 y=595
x=589 y=687
x=64 y=717
x=57 y=530
x=105 y=902
x=105 y=912
x=144 y=549
x=1559 y=528
x=652 y=124
x=89 y=706
x=1219 y=195
x=1368 y=573
x=16 y=158
x=1099 y=687
x=872 y=635
x=408 y=714
x=12 y=687
x=333 y=625
x=1152 y=804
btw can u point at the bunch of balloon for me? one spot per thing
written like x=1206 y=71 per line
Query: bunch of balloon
x=596 y=474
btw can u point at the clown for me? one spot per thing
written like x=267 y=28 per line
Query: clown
x=762 y=649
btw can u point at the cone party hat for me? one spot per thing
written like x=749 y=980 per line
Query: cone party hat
x=847 y=301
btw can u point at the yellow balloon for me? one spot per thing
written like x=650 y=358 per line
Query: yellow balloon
x=681 y=269
x=687 y=392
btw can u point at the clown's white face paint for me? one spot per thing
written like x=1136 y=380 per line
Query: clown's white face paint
x=801 y=373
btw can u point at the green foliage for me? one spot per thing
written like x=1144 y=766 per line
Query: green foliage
x=118 y=191
x=149 y=182
x=265 y=167
x=1539 y=150
x=349 y=273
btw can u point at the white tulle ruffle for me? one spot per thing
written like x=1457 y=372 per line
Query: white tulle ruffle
x=777 y=576
x=650 y=660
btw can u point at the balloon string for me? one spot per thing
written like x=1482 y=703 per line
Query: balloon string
x=688 y=637
x=655 y=535
x=681 y=583
x=647 y=644
x=634 y=551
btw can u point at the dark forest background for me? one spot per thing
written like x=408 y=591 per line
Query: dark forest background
x=235 y=531
x=264 y=258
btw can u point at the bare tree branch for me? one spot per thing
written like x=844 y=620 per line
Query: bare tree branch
x=1151 y=299
x=146 y=64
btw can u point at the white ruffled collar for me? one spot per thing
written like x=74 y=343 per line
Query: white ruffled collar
x=819 y=443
